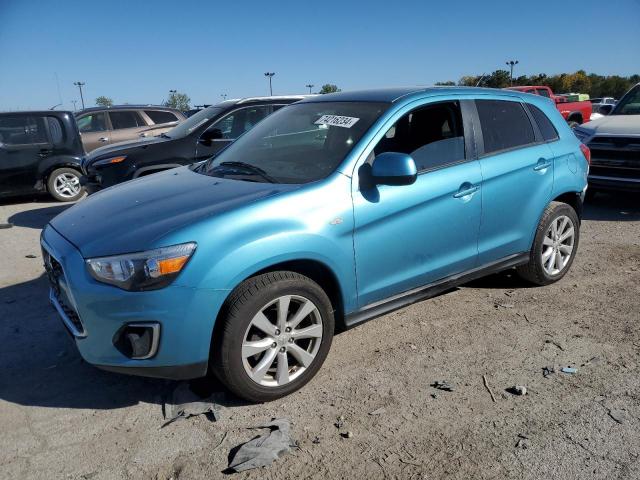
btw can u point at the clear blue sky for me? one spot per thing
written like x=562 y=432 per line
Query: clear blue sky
x=136 y=51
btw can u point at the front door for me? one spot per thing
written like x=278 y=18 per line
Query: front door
x=93 y=130
x=409 y=236
x=126 y=125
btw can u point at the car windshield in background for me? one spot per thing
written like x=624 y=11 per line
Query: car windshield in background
x=298 y=144
x=194 y=122
x=629 y=104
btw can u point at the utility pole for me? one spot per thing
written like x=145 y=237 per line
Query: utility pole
x=511 y=63
x=309 y=86
x=270 y=75
x=80 y=85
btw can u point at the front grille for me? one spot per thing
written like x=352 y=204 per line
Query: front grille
x=616 y=151
x=55 y=273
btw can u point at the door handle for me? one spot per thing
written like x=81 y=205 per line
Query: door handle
x=466 y=189
x=103 y=139
x=542 y=164
x=44 y=152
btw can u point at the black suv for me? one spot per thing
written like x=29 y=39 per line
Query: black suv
x=199 y=137
x=40 y=152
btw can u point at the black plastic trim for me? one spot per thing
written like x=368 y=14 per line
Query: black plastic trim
x=177 y=372
x=390 y=304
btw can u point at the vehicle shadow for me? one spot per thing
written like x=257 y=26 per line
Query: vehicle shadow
x=506 y=279
x=613 y=206
x=38 y=217
x=42 y=367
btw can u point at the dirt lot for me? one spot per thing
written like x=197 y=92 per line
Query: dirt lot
x=62 y=418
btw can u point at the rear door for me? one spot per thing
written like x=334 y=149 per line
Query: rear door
x=24 y=143
x=517 y=177
x=126 y=125
x=94 y=130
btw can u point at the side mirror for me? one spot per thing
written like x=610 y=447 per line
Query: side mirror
x=391 y=168
x=605 y=109
x=208 y=136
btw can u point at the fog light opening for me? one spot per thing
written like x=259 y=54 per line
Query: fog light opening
x=138 y=341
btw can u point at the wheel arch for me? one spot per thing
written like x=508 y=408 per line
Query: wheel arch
x=573 y=199
x=60 y=163
x=576 y=116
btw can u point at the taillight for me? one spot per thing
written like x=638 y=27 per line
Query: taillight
x=586 y=152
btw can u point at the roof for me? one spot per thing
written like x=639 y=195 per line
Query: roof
x=37 y=112
x=391 y=95
x=126 y=107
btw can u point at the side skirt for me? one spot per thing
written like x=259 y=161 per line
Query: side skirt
x=390 y=304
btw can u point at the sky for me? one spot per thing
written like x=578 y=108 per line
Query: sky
x=136 y=51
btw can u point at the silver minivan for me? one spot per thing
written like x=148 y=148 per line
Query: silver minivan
x=102 y=126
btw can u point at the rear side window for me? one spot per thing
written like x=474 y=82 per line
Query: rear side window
x=55 y=130
x=547 y=129
x=22 y=130
x=159 y=116
x=505 y=125
x=126 y=119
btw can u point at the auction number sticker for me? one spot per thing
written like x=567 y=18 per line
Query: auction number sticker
x=337 y=121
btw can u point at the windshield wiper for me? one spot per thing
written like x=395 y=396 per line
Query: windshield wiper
x=251 y=169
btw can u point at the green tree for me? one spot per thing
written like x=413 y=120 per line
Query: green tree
x=103 y=101
x=329 y=88
x=446 y=84
x=179 y=101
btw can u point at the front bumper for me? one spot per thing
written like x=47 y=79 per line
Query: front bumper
x=186 y=317
x=91 y=183
x=609 y=182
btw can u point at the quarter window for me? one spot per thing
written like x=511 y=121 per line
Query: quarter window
x=126 y=119
x=158 y=116
x=432 y=135
x=93 y=122
x=547 y=129
x=22 y=130
x=505 y=125
x=543 y=92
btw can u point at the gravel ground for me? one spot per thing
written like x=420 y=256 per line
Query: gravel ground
x=62 y=418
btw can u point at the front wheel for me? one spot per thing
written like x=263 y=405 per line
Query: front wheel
x=276 y=334
x=554 y=246
x=63 y=184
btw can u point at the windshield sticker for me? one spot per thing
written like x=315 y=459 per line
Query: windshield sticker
x=337 y=121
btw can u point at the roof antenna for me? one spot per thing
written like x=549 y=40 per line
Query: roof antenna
x=480 y=80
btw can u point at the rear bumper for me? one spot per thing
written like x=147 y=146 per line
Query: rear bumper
x=186 y=317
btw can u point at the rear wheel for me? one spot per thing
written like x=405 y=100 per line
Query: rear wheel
x=554 y=245
x=63 y=184
x=276 y=334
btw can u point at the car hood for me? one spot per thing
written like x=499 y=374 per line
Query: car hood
x=614 y=125
x=135 y=215
x=118 y=148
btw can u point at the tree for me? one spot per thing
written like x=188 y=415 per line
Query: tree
x=446 y=84
x=329 y=88
x=103 y=101
x=179 y=101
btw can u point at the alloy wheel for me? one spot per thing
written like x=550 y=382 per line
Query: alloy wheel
x=282 y=340
x=557 y=246
x=67 y=185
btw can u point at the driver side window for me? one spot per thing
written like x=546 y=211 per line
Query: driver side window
x=433 y=135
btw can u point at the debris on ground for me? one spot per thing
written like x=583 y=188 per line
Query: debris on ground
x=5 y=225
x=553 y=342
x=618 y=416
x=316 y=440
x=523 y=441
x=31 y=255
x=339 y=422
x=569 y=370
x=378 y=411
x=442 y=385
x=348 y=434
x=517 y=390
x=486 y=385
x=264 y=449
x=592 y=360
x=434 y=395
x=412 y=346
x=184 y=403
x=504 y=305
x=548 y=371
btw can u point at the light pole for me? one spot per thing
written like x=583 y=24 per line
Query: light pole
x=224 y=96
x=309 y=86
x=80 y=85
x=270 y=75
x=511 y=63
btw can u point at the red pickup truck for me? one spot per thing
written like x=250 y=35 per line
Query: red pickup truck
x=575 y=113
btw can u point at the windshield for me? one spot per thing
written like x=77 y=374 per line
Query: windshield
x=298 y=144
x=629 y=104
x=194 y=122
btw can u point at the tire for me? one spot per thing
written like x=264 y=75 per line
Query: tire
x=538 y=270
x=255 y=300
x=63 y=184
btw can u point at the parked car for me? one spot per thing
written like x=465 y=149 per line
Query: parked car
x=575 y=113
x=40 y=152
x=614 y=141
x=200 y=136
x=602 y=106
x=102 y=126
x=334 y=210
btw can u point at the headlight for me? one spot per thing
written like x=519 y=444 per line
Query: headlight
x=141 y=271
x=109 y=161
